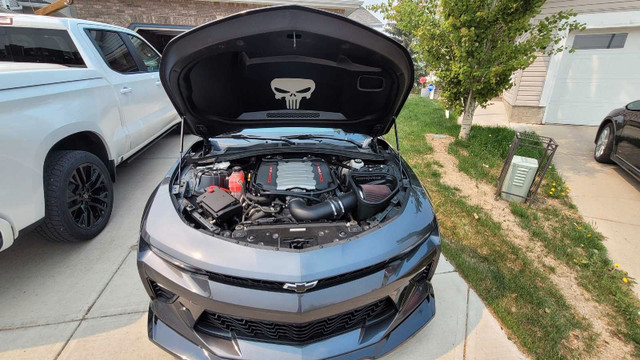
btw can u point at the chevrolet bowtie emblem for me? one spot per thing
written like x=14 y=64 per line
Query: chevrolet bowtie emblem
x=301 y=286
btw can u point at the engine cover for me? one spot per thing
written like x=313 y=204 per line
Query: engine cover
x=294 y=174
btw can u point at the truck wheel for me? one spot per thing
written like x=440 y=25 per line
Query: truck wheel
x=78 y=196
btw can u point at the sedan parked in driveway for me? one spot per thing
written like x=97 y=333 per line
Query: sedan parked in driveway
x=292 y=230
x=618 y=138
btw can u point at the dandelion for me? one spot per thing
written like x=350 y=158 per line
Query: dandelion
x=624 y=280
x=550 y=192
x=617 y=265
x=554 y=183
x=588 y=235
x=562 y=194
x=553 y=189
x=489 y=135
x=579 y=227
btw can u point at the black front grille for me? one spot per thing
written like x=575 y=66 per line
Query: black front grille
x=293 y=333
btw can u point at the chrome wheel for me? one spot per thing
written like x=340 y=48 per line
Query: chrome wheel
x=603 y=141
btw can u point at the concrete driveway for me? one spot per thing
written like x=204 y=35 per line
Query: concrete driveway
x=85 y=301
x=606 y=196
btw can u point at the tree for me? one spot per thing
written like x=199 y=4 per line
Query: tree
x=406 y=39
x=474 y=46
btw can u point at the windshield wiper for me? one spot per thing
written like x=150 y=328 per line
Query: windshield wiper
x=250 y=137
x=320 y=137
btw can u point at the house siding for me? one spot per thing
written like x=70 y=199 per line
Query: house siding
x=529 y=83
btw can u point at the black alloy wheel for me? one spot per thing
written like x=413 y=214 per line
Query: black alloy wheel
x=78 y=196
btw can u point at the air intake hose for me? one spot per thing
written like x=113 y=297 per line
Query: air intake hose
x=332 y=208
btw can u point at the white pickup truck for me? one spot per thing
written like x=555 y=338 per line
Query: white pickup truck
x=76 y=99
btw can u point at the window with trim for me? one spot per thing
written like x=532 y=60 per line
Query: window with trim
x=599 y=41
x=634 y=106
x=114 y=51
x=21 y=44
x=148 y=55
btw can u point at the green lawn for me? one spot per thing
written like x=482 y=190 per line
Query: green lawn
x=520 y=294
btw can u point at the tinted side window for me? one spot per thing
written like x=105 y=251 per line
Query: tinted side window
x=634 y=106
x=148 y=55
x=600 y=41
x=114 y=51
x=38 y=46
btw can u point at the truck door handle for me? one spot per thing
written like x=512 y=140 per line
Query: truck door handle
x=125 y=90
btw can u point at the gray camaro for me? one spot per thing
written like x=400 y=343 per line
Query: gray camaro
x=291 y=230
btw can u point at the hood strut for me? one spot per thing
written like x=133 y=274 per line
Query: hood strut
x=176 y=187
x=395 y=130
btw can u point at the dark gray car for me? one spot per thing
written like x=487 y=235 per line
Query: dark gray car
x=292 y=230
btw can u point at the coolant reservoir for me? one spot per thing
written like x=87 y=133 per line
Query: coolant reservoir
x=236 y=182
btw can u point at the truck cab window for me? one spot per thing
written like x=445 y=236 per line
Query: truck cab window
x=148 y=55
x=21 y=44
x=114 y=51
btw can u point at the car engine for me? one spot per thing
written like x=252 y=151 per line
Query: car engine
x=290 y=200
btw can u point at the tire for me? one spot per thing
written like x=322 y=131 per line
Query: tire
x=604 y=145
x=78 y=195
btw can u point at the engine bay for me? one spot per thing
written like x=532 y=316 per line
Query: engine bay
x=291 y=200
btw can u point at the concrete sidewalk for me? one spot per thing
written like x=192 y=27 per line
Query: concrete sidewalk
x=85 y=301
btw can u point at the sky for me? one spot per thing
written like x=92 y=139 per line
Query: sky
x=372 y=2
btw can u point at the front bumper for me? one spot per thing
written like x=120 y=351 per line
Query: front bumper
x=181 y=297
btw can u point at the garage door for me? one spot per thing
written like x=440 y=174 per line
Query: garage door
x=602 y=74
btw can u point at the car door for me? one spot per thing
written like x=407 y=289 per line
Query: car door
x=629 y=137
x=164 y=114
x=133 y=84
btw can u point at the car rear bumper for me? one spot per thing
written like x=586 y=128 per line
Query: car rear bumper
x=181 y=300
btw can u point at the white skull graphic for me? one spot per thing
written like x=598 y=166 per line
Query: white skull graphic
x=292 y=90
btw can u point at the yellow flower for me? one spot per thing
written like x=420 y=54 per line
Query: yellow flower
x=553 y=189
x=550 y=192
x=579 y=227
x=588 y=235
x=624 y=280
x=554 y=183
x=618 y=265
x=562 y=194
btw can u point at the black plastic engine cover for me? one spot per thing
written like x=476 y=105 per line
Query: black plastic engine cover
x=310 y=174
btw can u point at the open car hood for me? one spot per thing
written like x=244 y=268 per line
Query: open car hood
x=286 y=66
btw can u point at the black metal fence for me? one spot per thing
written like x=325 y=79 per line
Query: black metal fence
x=528 y=144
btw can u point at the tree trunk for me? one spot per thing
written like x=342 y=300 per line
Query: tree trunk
x=467 y=117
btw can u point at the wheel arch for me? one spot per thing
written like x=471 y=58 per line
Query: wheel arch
x=90 y=142
x=602 y=125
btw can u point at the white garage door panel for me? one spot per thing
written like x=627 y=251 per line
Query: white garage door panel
x=591 y=83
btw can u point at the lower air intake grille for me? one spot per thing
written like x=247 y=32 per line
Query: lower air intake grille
x=293 y=333
x=161 y=293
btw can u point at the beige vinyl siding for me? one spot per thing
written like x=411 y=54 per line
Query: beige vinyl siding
x=589 y=6
x=530 y=81
x=528 y=84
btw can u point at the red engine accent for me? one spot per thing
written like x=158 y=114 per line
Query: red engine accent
x=236 y=182
x=320 y=177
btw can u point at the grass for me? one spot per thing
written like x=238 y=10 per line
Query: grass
x=518 y=292
x=493 y=266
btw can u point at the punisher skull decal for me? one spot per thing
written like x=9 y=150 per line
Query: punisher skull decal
x=292 y=90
